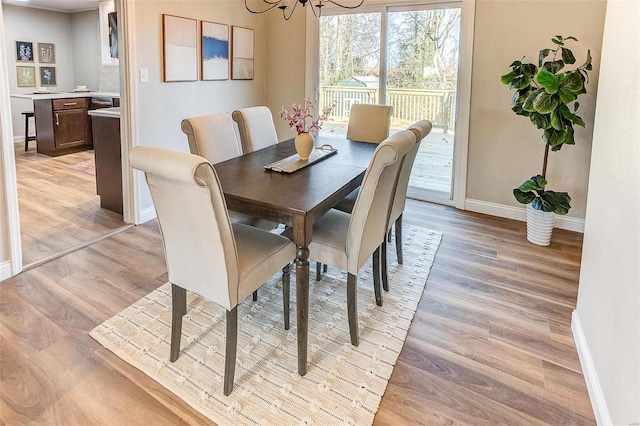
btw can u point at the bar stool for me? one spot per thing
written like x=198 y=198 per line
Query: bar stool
x=27 y=138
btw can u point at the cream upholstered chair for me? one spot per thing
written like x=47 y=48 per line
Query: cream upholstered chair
x=206 y=253
x=345 y=240
x=256 y=128
x=369 y=122
x=212 y=137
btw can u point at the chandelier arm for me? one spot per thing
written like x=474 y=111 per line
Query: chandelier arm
x=319 y=14
x=344 y=6
x=272 y=5
x=293 y=9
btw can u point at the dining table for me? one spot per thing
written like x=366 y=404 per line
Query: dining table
x=295 y=199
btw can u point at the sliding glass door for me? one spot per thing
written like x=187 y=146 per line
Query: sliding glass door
x=406 y=57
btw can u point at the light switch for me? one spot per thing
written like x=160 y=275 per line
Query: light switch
x=144 y=75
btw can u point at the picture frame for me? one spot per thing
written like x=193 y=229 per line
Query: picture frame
x=214 y=57
x=242 y=58
x=24 y=51
x=46 y=53
x=48 y=76
x=180 y=48
x=26 y=76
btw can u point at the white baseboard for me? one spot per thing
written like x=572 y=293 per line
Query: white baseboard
x=590 y=375
x=147 y=215
x=5 y=270
x=520 y=213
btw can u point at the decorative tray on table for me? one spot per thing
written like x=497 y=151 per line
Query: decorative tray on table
x=293 y=162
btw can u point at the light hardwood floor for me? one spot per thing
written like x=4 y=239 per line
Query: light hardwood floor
x=490 y=344
x=59 y=208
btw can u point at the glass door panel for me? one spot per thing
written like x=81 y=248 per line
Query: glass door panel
x=422 y=73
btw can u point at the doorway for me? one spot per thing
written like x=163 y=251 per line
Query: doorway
x=409 y=57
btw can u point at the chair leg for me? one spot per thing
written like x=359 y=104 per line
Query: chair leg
x=399 y=239
x=352 y=308
x=178 y=309
x=376 y=276
x=231 y=346
x=26 y=133
x=286 y=281
x=255 y=296
x=383 y=263
x=325 y=267
x=318 y=271
x=389 y=236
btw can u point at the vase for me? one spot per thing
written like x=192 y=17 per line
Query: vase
x=304 y=145
x=539 y=226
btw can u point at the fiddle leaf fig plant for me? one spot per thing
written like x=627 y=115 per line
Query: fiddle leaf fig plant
x=547 y=94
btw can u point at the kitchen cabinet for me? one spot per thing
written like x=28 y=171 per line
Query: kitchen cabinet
x=63 y=125
x=106 y=136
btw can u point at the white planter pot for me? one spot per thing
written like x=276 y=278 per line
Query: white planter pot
x=539 y=226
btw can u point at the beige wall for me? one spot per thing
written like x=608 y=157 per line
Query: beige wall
x=609 y=292
x=505 y=149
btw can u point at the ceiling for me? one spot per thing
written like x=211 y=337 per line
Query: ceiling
x=68 y=6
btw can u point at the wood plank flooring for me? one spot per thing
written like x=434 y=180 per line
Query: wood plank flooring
x=59 y=208
x=491 y=341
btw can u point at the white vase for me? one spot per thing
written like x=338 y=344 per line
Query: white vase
x=304 y=145
x=539 y=226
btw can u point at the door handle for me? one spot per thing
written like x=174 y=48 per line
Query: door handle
x=57 y=120
x=70 y=103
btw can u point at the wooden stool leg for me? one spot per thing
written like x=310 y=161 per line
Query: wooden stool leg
x=26 y=133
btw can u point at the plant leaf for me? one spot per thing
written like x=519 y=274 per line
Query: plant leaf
x=520 y=82
x=567 y=56
x=523 y=197
x=527 y=105
x=544 y=103
x=557 y=202
x=548 y=81
x=553 y=66
x=542 y=55
x=508 y=78
x=570 y=38
x=566 y=96
x=573 y=82
x=541 y=121
x=556 y=120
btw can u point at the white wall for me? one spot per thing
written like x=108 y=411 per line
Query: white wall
x=85 y=44
x=505 y=149
x=609 y=292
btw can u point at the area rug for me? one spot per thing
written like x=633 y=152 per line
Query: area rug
x=88 y=167
x=344 y=384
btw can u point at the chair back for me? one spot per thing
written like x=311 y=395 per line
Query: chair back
x=367 y=227
x=198 y=240
x=420 y=130
x=369 y=122
x=256 y=128
x=212 y=137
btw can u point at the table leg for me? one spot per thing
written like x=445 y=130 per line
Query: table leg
x=302 y=303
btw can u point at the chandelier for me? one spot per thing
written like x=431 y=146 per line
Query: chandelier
x=281 y=4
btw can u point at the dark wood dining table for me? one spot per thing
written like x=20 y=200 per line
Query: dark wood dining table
x=296 y=199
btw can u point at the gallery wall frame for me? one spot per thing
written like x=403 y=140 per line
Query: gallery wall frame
x=46 y=53
x=48 y=76
x=24 y=51
x=214 y=59
x=242 y=57
x=180 y=48
x=26 y=76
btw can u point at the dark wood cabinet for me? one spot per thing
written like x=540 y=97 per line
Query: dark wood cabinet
x=63 y=126
x=106 y=134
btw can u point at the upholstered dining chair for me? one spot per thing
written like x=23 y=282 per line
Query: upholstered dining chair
x=212 y=137
x=256 y=128
x=347 y=241
x=369 y=122
x=206 y=253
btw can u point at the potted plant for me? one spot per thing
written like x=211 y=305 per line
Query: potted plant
x=547 y=94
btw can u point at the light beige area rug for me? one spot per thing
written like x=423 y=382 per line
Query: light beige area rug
x=88 y=167
x=344 y=383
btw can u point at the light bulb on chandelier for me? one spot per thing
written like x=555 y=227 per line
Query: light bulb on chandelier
x=281 y=4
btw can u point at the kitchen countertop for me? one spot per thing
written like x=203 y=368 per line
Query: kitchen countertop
x=65 y=95
x=106 y=112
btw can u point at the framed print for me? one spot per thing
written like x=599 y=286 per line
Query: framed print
x=47 y=76
x=180 y=48
x=215 y=51
x=26 y=76
x=24 y=51
x=46 y=53
x=242 y=57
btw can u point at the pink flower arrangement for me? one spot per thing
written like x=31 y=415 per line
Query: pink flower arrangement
x=297 y=116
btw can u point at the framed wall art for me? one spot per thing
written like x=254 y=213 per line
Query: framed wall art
x=215 y=51
x=180 y=48
x=242 y=40
x=46 y=53
x=26 y=76
x=48 y=76
x=24 y=51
